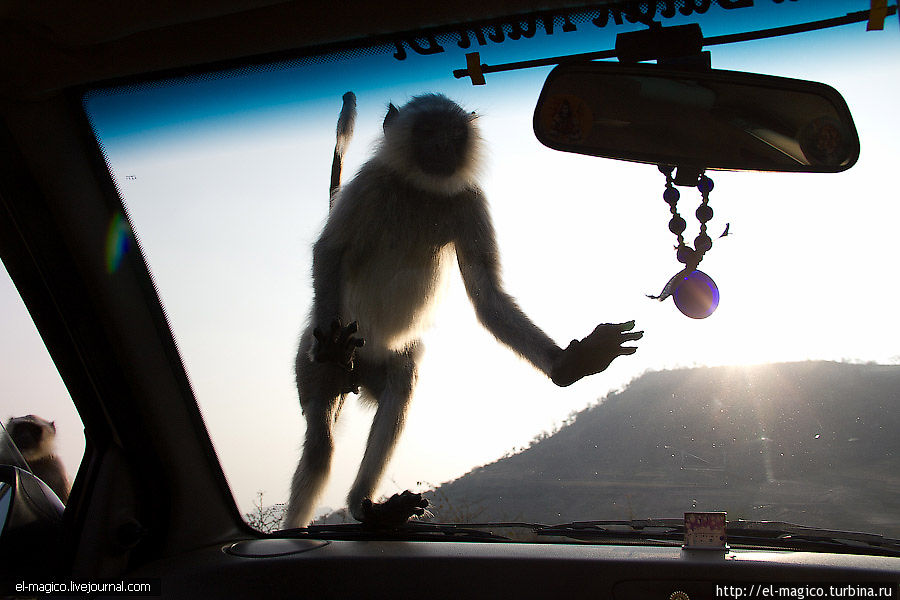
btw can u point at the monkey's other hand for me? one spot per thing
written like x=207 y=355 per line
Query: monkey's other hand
x=395 y=511
x=594 y=353
x=338 y=346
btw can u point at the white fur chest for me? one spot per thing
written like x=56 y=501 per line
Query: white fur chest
x=392 y=289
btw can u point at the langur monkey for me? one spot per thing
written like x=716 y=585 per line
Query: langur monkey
x=35 y=438
x=377 y=268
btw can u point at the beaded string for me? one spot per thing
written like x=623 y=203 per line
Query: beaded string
x=690 y=257
x=704 y=213
x=671 y=195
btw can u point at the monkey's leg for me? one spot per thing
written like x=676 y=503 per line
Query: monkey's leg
x=314 y=465
x=320 y=387
x=393 y=382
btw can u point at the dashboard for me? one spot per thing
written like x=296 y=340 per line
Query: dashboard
x=302 y=568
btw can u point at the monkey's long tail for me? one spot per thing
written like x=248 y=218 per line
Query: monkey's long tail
x=344 y=132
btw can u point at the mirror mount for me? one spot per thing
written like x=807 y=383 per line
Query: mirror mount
x=679 y=48
x=694 y=62
x=660 y=43
x=685 y=176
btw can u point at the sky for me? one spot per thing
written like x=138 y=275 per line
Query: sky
x=224 y=180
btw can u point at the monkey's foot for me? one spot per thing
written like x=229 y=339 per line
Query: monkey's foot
x=395 y=511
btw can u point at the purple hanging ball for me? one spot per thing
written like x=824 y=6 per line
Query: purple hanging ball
x=697 y=297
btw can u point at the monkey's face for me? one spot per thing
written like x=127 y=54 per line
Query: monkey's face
x=440 y=142
x=28 y=432
x=439 y=134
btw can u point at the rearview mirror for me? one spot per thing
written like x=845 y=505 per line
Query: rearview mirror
x=702 y=119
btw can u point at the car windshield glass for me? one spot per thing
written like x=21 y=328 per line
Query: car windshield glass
x=9 y=452
x=780 y=405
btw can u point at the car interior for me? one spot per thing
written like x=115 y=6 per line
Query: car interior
x=163 y=183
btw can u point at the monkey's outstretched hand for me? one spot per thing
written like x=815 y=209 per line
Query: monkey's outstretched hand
x=338 y=346
x=594 y=353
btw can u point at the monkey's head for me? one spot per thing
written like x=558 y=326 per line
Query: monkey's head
x=33 y=435
x=434 y=142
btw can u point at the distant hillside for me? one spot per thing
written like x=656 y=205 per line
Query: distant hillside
x=814 y=443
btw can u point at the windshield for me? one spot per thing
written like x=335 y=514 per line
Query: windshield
x=9 y=452
x=781 y=405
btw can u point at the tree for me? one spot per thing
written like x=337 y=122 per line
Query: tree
x=265 y=518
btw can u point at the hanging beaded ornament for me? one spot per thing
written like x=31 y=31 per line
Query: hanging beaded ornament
x=694 y=292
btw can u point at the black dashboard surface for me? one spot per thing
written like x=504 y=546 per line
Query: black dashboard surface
x=283 y=568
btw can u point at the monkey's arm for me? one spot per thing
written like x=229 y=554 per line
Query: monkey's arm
x=478 y=257
x=334 y=342
x=479 y=264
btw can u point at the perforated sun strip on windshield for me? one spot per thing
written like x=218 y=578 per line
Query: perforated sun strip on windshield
x=556 y=23
x=875 y=18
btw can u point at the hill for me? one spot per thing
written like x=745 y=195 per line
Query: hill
x=813 y=443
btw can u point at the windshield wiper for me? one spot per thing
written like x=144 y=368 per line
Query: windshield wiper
x=651 y=529
x=410 y=531
x=744 y=534
x=642 y=529
x=790 y=535
x=739 y=533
